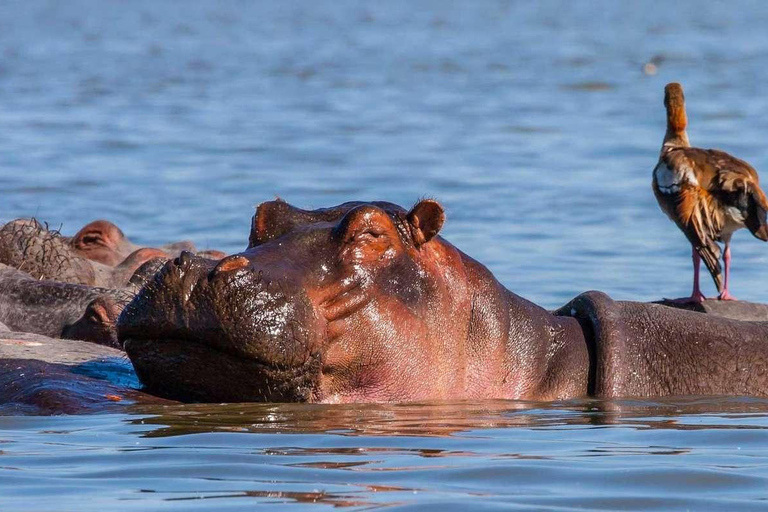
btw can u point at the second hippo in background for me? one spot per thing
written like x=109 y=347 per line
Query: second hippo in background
x=60 y=310
x=88 y=258
x=104 y=242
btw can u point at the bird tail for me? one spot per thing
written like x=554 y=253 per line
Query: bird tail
x=710 y=254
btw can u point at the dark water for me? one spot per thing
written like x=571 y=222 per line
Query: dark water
x=533 y=123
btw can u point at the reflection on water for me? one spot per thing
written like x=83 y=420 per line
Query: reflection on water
x=442 y=419
x=693 y=452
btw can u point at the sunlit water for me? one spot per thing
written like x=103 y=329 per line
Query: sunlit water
x=683 y=453
x=535 y=126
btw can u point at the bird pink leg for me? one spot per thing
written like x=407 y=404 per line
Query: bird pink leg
x=696 y=295
x=725 y=294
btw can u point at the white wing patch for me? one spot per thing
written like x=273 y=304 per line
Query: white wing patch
x=669 y=180
x=734 y=220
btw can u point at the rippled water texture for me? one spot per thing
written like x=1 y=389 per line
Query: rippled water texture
x=532 y=122
x=689 y=453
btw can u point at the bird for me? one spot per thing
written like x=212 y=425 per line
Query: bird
x=708 y=194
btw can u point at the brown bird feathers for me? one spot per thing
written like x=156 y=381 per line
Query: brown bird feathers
x=708 y=193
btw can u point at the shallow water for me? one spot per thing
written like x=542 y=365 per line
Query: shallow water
x=535 y=126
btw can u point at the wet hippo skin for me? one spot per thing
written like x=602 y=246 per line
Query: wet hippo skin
x=365 y=302
x=646 y=350
x=41 y=375
x=98 y=255
x=56 y=309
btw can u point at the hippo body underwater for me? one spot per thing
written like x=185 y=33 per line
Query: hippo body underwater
x=365 y=302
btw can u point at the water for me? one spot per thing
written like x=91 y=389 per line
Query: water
x=671 y=454
x=534 y=125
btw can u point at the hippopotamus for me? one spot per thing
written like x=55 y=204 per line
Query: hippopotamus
x=27 y=245
x=98 y=255
x=104 y=242
x=57 y=309
x=365 y=301
x=41 y=375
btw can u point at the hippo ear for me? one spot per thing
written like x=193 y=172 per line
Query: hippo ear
x=426 y=219
x=101 y=310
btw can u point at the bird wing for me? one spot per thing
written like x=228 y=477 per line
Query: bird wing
x=736 y=185
x=727 y=173
x=682 y=190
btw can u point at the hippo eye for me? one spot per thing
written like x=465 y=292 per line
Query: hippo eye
x=92 y=239
x=368 y=233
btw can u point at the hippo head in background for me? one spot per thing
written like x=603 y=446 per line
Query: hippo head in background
x=359 y=302
x=28 y=245
x=102 y=241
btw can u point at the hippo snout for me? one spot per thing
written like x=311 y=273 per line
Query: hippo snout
x=226 y=306
x=198 y=322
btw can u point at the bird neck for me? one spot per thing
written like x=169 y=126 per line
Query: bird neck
x=675 y=139
x=677 y=122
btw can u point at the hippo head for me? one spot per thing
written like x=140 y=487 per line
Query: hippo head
x=43 y=253
x=357 y=302
x=102 y=241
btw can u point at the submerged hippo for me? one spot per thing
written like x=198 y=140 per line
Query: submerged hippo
x=27 y=245
x=98 y=255
x=104 y=242
x=41 y=375
x=56 y=309
x=365 y=302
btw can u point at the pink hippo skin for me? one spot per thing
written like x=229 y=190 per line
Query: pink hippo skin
x=364 y=302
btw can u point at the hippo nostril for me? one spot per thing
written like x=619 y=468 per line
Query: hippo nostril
x=231 y=263
x=184 y=259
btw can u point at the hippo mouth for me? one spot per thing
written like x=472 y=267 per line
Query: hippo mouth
x=195 y=333
x=192 y=371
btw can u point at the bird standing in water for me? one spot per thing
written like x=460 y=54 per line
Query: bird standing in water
x=708 y=193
